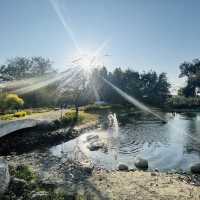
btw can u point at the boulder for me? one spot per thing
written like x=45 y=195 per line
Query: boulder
x=42 y=195
x=153 y=174
x=95 y=146
x=195 y=168
x=4 y=176
x=141 y=163
x=92 y=138
x=122 y=167
x=156 y=170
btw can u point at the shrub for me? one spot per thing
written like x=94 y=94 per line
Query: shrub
x=13 y=101
x=28 y=112
x=184 y=102
x=94 y=107
x=7 y=117
x=20 y=114
x=69 y=117
x=23 y=172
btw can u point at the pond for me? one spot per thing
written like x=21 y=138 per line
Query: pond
x=174 y=145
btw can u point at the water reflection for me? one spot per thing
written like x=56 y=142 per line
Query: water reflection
x=175 y=145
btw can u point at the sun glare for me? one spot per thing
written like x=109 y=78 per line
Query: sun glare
x=87 y=60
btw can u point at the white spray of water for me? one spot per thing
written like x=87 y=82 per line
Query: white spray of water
x=113 y=134
x=133 y=100
x=114 y=123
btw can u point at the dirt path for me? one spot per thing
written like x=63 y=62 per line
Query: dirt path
x=141 y=185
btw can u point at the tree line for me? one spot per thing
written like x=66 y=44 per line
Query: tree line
x=149 y=87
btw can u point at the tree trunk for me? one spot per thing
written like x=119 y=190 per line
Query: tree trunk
x=77 y=110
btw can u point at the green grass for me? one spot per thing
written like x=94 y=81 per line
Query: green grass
x=87 y=117
x=16 y=115
x=7 y=117
x=24 y=113
x=83 y=117
x=23 y=172
x=95 y=107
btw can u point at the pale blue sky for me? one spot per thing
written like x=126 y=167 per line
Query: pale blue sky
x=142 y=34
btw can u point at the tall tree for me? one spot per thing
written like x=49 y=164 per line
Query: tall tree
x=190 y=70
x=24 y=67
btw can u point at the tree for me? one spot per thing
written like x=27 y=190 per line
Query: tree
x=13 y=101
x=10 y=101
x=149 y=86
x=41 y=66
x=75 y=88
x=24 y=67
x=20 y=68
x=190 y=70
x=2 y=103
x=162 y=89
x=16 y=68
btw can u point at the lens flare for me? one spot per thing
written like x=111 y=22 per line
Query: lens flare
x=133 y=101
x=65 y=24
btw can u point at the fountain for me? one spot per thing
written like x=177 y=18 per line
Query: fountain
x=113 y=134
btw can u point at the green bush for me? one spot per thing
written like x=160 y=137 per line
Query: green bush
x=69 y=117
x=23 y=172
x=94 y=107
x=10 y=102
x=13 y=116
x=13 y=101
x=7 y=117
x=20 y=114
x=184 y=102
x=28 y=112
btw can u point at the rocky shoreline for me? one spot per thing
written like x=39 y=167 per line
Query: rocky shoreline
x=42 y=136
x=59 y=178
x=68 y=179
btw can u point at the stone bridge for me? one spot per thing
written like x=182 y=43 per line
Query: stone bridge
x=12 y=126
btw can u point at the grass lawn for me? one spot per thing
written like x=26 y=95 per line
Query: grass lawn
x=87 y=117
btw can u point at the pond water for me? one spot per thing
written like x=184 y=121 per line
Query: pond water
x=171 y=146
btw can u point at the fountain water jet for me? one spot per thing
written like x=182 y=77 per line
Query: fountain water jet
x=113 y=133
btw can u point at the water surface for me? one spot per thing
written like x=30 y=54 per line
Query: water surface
x=174 y=145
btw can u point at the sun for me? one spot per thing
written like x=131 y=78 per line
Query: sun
x=87 y=60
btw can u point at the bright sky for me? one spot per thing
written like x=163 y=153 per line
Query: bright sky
x=139 y=34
